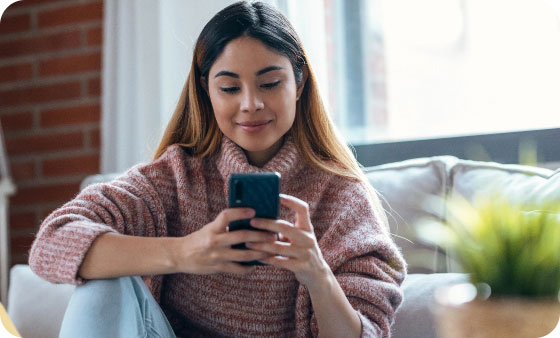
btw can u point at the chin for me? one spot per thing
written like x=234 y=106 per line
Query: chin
x=257 y=144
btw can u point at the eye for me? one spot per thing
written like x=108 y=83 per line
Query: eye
x=270 y=85
x=229 y=90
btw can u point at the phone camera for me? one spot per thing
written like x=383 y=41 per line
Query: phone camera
x=238 y=191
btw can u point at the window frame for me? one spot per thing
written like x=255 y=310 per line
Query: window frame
x=500 y=147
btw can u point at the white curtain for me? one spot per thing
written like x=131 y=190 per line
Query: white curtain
x=311 y=30
x=146 y=58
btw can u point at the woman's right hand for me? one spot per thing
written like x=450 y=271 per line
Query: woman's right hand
x=209 y=251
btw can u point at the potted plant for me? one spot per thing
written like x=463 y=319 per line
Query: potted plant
x=511 y=252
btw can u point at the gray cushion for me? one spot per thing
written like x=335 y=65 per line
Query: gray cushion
x=517 y=183
x=415 y=318
x=35 y=305
x=403 y=187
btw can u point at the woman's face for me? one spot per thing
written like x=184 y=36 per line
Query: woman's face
x=253 y=93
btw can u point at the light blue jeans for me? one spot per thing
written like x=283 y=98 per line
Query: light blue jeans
x=119 y=307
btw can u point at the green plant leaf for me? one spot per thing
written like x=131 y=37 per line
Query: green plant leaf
x=514 y=248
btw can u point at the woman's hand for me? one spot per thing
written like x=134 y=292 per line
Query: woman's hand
x=297 y=250
x=208 y=250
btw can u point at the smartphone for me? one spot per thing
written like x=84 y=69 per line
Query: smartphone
x=259 y=191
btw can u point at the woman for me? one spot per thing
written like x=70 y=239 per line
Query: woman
x=250 y=104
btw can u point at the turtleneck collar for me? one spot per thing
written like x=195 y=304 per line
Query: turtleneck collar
x=231 y=159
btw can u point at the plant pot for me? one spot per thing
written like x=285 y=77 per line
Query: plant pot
x=466 y=316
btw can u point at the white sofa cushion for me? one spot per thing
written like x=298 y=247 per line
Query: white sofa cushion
x=35 y=305
x=520 y=184
x=403 y=187
x=415 y=316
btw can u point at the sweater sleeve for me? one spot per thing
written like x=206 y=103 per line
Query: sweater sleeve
x=367 y=264
x=131 y=204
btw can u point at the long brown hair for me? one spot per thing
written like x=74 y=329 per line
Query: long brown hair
x=193 y=125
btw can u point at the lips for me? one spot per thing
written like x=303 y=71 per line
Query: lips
x=254 y=126
x=253 y=123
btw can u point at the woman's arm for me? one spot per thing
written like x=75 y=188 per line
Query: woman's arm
x=118 y=228
x=115 y=255
x=129 y=205
x=335 y=315
x=202 y=252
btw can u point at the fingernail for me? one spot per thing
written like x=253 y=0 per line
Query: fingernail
x=249 y=244
x=250 y=213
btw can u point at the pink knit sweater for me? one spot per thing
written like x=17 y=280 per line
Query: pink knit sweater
x=178 y=194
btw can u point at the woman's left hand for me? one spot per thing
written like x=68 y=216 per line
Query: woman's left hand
x=297 y=250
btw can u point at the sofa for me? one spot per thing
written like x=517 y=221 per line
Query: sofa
x=37 y=307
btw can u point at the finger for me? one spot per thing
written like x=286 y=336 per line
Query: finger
x=301 y=209
x=274 y=225
x=242 y=236
x=296 y=236
x=230 y=215
x=276 y=248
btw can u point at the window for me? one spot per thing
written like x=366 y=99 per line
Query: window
x=408 y=70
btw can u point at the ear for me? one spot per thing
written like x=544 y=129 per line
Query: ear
x=302 y=83
x=204 y=85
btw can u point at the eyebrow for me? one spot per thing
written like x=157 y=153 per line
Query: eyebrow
x=268 y=69
x=260 y=72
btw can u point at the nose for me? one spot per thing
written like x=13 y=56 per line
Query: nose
x=251 y=101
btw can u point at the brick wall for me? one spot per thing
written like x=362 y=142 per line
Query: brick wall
x=50 y=71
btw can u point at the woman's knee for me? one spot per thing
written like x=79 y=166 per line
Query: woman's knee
x=105 y=307
x=103 y=293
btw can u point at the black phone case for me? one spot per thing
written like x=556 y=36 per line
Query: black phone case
x=260 y=191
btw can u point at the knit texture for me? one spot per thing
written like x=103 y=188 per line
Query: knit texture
x=178 y=194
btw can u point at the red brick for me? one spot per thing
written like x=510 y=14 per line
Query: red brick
x=26 y=220
x=70 y=64
x=94 y=36
x=17 y=121
x=45 y=43
x=13 y=24
x=44 y=93
x=70 y=115
x=23 y=71
x=88 y=164
x=23 y=170
x=94 y=87
x=61 y=193
x=44 y=143
x=70 y=15
x=95 y=138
